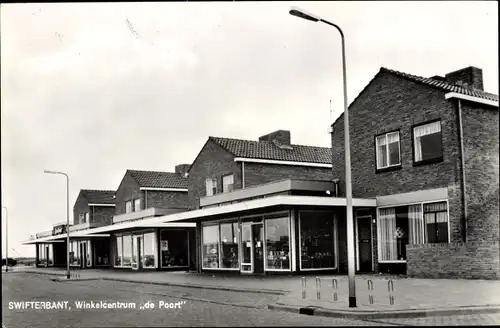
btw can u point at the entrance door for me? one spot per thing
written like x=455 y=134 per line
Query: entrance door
x=46 y=251
x=258 y=247
x=364 y=245
x=83 y=254
x=246 y=249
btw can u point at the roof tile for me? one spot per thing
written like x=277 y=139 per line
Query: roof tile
x=155 y=179
x=271 y=151
x=99 y=196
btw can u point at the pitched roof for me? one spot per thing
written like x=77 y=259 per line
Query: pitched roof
x=443 y=85
x=154 y=179
x=98 y=196
x=272 y=151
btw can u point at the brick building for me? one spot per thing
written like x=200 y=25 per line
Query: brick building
x=427 y=150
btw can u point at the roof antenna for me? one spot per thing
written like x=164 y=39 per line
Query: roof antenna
x=331 y=111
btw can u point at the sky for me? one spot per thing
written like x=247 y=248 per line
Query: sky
x=93 y=89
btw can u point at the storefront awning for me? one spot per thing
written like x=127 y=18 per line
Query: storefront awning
x=62 y=237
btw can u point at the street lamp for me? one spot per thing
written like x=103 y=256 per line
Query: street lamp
x=67 y=217
x=348 y=189
x=6 y=239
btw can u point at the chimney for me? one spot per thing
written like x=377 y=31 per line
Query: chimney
x=280 y=137
x=182 y=169
x=471 y=77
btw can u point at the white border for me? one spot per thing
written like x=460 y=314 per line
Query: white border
x=423 y=229
x=334 y=236
x=164 y=189
x=270 y=161
x=471 y=98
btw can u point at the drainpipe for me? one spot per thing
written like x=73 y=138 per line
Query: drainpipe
x=462 y=160
x=145 y=199
x=242 y=175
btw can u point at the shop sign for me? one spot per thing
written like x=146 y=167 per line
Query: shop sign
x=57 y=230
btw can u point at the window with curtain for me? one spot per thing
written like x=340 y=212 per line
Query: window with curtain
x=211 y=187
x=128 y=206
x=50 y=259
x=436 y=222
x=87 y=217
x=386 y=229
x=81 y=218
x=119 y=251
x=229 y=244
x=137 y=205
x=227 y=183
x=388 y=150
x=427 y=142
x=211 y=246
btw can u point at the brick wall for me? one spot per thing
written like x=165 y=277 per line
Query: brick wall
x=480 y=133
x=166 y=199
x=473 y=260
x=128 y=190
x=391 y=103
x=212 y=162
x=81 y=206
x=102 y=214
x=258 y=173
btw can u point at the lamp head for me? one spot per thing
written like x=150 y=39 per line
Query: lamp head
x=295 y=11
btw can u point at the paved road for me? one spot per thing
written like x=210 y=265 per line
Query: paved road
x=198 y=307
x=29 y=287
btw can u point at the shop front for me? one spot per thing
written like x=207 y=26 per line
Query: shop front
x=284 y=241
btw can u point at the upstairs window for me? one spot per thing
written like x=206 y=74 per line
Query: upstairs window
x=388 y=150
x=128 y=206
x=137 y=204
x=427 y=142
x=87 y=217
x=228 y=183
x=211 y=186
x=81 y=218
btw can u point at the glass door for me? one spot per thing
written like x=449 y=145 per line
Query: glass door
x=258 y=248
x=246 y=249
x=136 y=252
x=83 y=254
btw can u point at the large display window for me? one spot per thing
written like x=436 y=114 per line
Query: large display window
x=229 y=245
x=127 y=250
x=317 y=247
x=277 y=244
x=127 y=253
x=118 y=251
x=149 y=245
x=210 y=247
x=174 y=248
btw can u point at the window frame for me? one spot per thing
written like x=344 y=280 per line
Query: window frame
x=131 y=206
x=87 y=217
x=81 y=218
x=432 y=160
x=389 y=167
x=216 y=187
x=135 y=204
x=422 y=221
x=426 y=236
x=225 y=176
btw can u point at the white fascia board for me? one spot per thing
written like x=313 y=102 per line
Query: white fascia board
x=471 y=98
x=270 y=161
x=109 y=205
x=164 y=189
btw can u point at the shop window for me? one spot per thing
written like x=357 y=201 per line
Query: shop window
x=119 y=251
x=174 y=248
x=229 y=245
x=127 y=250
x=149 y=244
x=50 y=259
x=278 y=243
x=210 y=247
x=316 y=240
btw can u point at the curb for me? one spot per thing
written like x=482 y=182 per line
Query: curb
x=369 y=315
x=45 y=273
x=230 y=289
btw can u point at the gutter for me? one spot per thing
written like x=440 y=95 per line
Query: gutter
x=471 y=98
x=462 y=162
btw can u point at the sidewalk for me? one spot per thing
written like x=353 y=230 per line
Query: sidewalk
x=412 y=297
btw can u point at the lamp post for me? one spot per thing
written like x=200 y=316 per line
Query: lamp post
x=6 y=239
x=350 y=223
x=67 y=218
